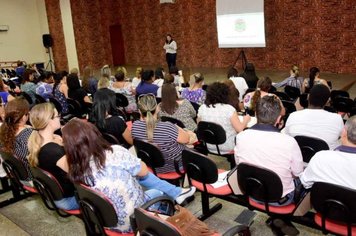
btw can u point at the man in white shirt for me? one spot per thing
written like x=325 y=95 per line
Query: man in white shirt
x=263 y=145
x=315 y=121
x=335 y=167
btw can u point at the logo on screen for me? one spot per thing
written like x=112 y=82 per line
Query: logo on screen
x=240 y=25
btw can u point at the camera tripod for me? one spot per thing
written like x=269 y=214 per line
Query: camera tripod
x=243 y=59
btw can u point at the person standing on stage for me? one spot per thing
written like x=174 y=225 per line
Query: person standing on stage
x=171 y=51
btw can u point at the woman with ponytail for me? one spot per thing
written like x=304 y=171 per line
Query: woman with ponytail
x=14 y=132
x=47 y=152
x=250 y=99
x=170 y=138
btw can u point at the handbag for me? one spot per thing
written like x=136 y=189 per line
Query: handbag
x=188 y=224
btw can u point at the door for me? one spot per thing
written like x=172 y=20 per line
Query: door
x=117 y=45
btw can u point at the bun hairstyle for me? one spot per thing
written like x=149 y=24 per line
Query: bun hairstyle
x=295 y=70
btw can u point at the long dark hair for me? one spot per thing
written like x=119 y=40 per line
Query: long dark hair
x=57 y=80
x=169 y=98
x=168 y=42
x=104 y=103
x=83 y=141
x=312 y=74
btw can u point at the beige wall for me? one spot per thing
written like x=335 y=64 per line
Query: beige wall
x=27 y=21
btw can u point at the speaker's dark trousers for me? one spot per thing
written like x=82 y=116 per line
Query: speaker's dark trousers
x=171 y=59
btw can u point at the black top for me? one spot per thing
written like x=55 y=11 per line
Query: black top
x=116 y=126
x=48 y=156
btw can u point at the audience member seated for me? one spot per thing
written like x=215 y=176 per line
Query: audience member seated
x=114 y=171
x=45 y=85
x=123 y=70
x=104 y=82
x=20 y=69
x=263 y=145
x=159 y=77
x=89 y=82
x=146 y=85
x=4 y=92
x=238 y=81
x=335 y=167
x=173 y=70
x=47 y=152
x=250 y=99
x=315 y=121
x=105 y=116
x=2 y=111
x=60 y=90
x=170 y=138
x=217 y=109
x=14 y=132
x=195 y=92
x=106 y=72
x=76 y=92
x=137 y=79
x=314 y=78
x=168 y=79
x=27 y=83
x=180 y=109
x=250 y=75
x=293 y=80
x=234 y=95
x=125 y=88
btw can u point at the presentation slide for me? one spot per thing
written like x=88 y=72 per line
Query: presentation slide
x=241 y=30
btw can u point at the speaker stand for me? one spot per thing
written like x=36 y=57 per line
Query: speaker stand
x=50 y=63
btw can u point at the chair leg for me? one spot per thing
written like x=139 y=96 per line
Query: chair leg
x=207 y=211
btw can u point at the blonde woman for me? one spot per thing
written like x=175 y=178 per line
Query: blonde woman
x=137 y=80
x=89 y=82
x=293 y=80
x=47 y=152
x=170 y=138
x=195 y=92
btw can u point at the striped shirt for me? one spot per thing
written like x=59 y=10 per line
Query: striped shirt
x=21 y=150
x=165 y=137
x=291 y=81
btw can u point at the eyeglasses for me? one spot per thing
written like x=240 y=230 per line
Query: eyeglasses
x=56 y=116
x=146 y=95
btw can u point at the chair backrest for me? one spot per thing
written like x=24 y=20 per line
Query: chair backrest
x=39 y=99
x=45 y=179
x=211 y=133
x=15 y=166
x=342 y=104
x=121 y=100
x=151 y=225
x=303 y=100
x=292 y=92
x=149 y=153
x=173 y=120
x=56 y=104
x=199 y=167
x=110 y=138
x=309 y=146
x=97 y=209
x=339 y=93
x=334 y=202
x=282 y=95
x=27 y=97
x=289 y=106
x=259 y=183
x=74 y=108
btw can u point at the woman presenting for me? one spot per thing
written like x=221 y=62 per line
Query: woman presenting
x=171 y=51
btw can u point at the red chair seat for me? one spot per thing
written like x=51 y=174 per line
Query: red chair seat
x=222 y=191
x=72 y=212
x=30 y=189
x=288 y=209
x=169 y=175
x=334 y=226
x=114 y=233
